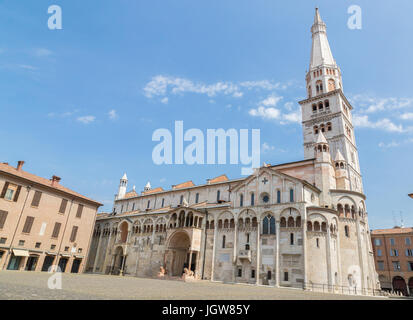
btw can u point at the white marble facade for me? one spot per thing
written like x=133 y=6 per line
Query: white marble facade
x=300 y=224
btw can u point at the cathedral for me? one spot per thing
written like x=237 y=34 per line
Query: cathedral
x=301 y=224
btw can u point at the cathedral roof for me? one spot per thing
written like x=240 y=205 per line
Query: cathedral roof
x=183 y=185
x=159 y=189
x=220 y=178
x=131 y=194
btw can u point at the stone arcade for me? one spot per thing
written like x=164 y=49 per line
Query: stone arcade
x=300 y=224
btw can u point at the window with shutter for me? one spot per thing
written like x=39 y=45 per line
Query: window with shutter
x=28 y=224
x=3 y=192
x=56 y=230
x=16 y=196
x=3 y=217
x=63 y=206
x=74 y=233
x=36 y=199
x=79 y=211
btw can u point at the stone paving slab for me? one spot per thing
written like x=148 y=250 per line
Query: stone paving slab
x=24 y=285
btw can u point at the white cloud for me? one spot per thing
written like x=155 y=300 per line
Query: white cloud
x=86 y=119
x=162 y=85
x=383 y=124
x=407 y=116
x=293 y=116
x=112 y=114
x=394 y=144
x=27 y=67
x=265 y=113
x=271 y=101
x=42 y=52
x=266 y=147
x=165 y=100
x=369 y=104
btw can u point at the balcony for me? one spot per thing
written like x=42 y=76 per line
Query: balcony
x=245 y=254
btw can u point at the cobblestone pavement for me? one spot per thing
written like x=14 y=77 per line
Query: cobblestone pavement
x=33 y=285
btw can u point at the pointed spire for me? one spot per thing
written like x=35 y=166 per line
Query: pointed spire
x=321 y=138
x=148 y=186
x=339 y=157
x=124 y=177
x=317 y=17
x=320 y=51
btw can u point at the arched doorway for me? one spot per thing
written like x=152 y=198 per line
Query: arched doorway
x=178 y=255
x=119 y=261
x=399 y=285
x=411 y=286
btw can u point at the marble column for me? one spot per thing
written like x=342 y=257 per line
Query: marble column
x=257 y=273
x=97 y=252
x=278 y=255
x=214 y=249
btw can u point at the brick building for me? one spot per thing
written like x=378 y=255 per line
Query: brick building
x=393 y=254
x=42 y=223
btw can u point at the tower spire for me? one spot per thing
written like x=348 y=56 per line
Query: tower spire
x=320 y=51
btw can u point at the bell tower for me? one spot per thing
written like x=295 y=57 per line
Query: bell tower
x=326 y=109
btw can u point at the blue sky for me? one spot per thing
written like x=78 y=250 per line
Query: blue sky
x=83 y=102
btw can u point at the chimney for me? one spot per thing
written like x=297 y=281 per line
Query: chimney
x=55 y=180
x=20 y=165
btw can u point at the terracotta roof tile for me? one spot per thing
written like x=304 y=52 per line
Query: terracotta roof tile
x=183 y=185
x=220 y=178
x=392 y=231
x=42 y=181
x=131 y=194
x=153 y=190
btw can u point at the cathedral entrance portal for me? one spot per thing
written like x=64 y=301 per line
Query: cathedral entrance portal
x=119 y=262
x=178 y=254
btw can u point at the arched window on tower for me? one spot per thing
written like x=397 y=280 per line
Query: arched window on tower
x=314 y=108
x=320 y=106
x=322 y=128
x=329 y=126
x=315 y=129
x=327 y=104
x=331 y=85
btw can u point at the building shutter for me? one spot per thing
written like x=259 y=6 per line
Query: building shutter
x=74 y=233
x=28 y=225
x=63 y=206
x=56 y=230
x=3 y=217
x=79 y=211
x=3 y=192
x=16 y=196
x=36 y=199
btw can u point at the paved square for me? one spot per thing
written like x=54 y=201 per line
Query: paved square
x=33 y=285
